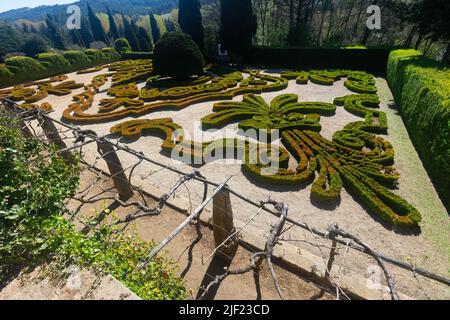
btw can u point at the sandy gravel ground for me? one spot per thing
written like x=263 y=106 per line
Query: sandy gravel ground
x=429 y=248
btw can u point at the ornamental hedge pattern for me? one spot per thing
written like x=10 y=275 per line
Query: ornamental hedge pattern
x=356 y=158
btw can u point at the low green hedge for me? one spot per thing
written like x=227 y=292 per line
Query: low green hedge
x=23 y=69
x=421 y=88
x=398 y=60
x=54 y=62
x=78 y=59
x=96 y=56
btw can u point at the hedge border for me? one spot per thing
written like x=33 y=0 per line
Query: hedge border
x=421 y=88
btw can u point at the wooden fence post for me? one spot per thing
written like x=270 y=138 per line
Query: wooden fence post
x=116 y=170
x=223 y=225
x=52 y=134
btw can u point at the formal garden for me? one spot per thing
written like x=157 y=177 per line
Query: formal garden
x=363 y=146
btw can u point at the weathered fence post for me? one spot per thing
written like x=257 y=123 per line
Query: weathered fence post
x=52 y=134
x=223 y=225
x=121 y=182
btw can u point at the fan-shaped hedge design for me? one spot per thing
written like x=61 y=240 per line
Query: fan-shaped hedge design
x=284 y=112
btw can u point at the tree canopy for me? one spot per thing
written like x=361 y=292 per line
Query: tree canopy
x=238 y=25
x=190 y=20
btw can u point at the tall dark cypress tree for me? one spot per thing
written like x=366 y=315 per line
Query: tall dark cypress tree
x=238 y=26
x=156 y=34
x=144 y=39
x=54 y=33
x=130 y=34
x=96 y=26
x=113 y=30
x=86 y=32
x=75 y=37
x=190 y=20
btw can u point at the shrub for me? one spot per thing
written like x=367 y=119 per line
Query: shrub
x=398 y=60
x=176 y=55
x=33 y=189
x=122 y=45
x=77 y=59
x=95 y=56
x=25 y=68
x=54 y=63
x=422 y=88
x=355 y=46
x=111 y=54
x=6 y=76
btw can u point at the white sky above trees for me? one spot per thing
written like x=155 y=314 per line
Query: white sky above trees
x=6 y=5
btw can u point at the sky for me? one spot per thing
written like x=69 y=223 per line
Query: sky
x=6 y=5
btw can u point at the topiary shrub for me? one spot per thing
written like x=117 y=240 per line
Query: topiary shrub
x=95 y=56
x=77 y=59
x=176 y=55
x=6 y=76
x=122 y=45
x=25 y=68
x=111 y=54
x=54 y=63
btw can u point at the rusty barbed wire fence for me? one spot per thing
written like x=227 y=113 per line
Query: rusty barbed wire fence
x=70 y=142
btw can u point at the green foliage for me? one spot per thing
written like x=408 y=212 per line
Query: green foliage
x=398 y=60
x=55 y=63
x=96 y=26
x=130 y=34
x=32 y=229
x=25 y=68
x=122 y=45
x=176 y=55
x=156 y=32
x=6 y=76
x=34 y=45
x=20 y=69
x=110 y=251
x=144 y=39
x=54 y=33
x=31 y=191
x=77 y=59
x=111 y=54
x=422 y=89
x=355 y=46
x=190 y=20
x=95 y=56
x=10 y=40
x=283 y=113
x=238 y=25
x=113 y=29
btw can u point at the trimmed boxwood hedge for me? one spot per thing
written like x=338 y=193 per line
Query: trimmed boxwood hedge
x=77 y=59
x=421 y=88
x=23 y=69
x=54 y=62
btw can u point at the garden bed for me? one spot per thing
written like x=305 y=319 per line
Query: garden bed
x=427 y=246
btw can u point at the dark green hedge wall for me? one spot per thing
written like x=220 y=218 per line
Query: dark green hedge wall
x=22 y=69
x=421 y=87
x=372 y=60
